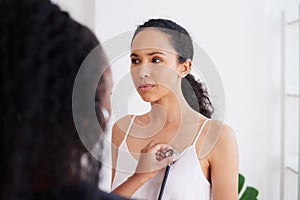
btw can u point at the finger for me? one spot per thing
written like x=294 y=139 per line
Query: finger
x=150 y=144
x=159 y=156
x=160 y=146
x=148 y=147
x=166 y=161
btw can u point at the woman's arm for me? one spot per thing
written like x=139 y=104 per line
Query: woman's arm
x=148 y=166
x=224 y=166
x=131 y=185
x=134 y=182
x=117 y=137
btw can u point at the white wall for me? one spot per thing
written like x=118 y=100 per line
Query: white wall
x=81 y=11
x=243 y=39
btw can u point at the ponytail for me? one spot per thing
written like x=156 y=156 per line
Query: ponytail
x=195 y=93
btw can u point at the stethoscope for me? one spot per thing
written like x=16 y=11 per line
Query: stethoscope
x=168 y=153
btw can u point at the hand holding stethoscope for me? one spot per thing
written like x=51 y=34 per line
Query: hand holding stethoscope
x=154 y=157
x=168 y=153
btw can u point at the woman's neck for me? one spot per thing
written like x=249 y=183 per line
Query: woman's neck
x=171 y=109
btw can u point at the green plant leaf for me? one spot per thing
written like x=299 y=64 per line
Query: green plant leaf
x=249 y=194
x=241 y=182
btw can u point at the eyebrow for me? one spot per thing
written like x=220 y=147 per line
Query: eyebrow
x=148 y=54
x=134 y=54
x=155 y=52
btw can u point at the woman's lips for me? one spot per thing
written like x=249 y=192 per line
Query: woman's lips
x=146 y=87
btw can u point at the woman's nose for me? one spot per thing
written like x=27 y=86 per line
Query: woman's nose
x=144 y=71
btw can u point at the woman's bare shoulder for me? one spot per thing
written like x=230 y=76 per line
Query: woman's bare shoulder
x=217 y=137
x=226 y=133
x=224 y=140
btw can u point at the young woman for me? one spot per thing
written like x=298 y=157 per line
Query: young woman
x=207 y=165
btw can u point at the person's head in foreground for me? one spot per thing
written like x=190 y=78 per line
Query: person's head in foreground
x=41 y=51
x=206 y=161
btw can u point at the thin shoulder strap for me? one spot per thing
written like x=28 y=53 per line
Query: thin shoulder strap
x=129 y=127
x=199 y=133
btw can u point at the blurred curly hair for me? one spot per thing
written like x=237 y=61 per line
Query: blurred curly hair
x=41 y=50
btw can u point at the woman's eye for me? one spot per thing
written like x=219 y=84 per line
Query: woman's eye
x=156 y=60
x=134 y=61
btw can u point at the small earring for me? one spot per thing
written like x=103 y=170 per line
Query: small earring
x=105 y=113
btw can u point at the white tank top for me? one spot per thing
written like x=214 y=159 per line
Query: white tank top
x=186 y=180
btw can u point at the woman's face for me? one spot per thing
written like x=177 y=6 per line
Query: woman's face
x=154 y=65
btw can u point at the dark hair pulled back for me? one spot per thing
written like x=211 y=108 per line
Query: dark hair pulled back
x=193 y=90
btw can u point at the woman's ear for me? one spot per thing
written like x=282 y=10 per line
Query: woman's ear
x=185 y=68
